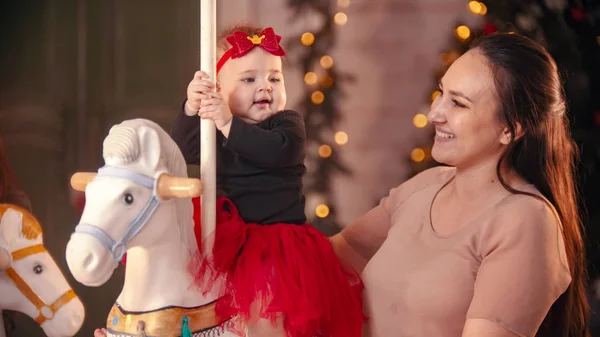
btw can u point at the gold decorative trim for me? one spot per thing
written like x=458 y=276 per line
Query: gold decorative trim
x=164 y=322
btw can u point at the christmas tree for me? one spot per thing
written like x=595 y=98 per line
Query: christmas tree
x=570 y=31
x=319 y=105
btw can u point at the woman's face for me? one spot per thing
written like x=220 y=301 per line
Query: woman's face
x=468 y=133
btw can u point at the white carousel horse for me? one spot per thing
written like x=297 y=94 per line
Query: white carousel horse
x=30 y=280
x=140 y=203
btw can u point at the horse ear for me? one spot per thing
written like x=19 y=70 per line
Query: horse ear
x=5 y=259
x=150 y=147
x=11 y=224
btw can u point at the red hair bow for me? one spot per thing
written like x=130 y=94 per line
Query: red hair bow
x=242 y=43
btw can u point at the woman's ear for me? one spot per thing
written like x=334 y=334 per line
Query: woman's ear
x=506 y=134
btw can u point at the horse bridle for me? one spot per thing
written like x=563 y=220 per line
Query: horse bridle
x=46 y=311
x=118 y=248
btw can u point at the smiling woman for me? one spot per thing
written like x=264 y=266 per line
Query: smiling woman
x=464 y=115
x=490 y=246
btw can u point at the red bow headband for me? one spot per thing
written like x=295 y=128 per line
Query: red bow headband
x=242 y=43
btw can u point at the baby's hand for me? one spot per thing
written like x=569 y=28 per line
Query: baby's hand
x=215 y=109
x=197 y=90
x=100 y=333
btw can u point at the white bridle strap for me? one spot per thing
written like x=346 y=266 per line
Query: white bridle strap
x=46 y=311
x=118 y=248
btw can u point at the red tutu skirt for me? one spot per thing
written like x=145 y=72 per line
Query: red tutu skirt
x=286 y=271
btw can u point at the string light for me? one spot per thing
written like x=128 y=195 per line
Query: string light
x=420 y=120
x=307 y=39
x=326 y=62
x=340 y=18
x=343 y=3
x=322 y=211
x=417 y=155
x=483 y=10
x=317 y=97
x=445 y=57
x=598 y=39
x=341 y=138
x=326 y=81
x=310 y=78
x=325 y=151
x=434 y=95
x=463 y=32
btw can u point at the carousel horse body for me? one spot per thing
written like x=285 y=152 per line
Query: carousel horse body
x=139 y=203
x=30 y=280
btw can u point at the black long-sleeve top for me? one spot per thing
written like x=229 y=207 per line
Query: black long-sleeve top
x=259 y=167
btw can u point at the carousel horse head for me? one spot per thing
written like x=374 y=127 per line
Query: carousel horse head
x=140 y=197
x=30 y=280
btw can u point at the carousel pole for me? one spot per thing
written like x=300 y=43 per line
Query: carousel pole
x=208 y=167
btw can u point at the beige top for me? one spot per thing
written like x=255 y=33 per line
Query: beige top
x=507 y=266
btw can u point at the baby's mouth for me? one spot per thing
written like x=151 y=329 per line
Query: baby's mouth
x=263 y=101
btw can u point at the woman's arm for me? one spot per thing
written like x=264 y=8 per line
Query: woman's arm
x=347 y=255
x=522 y=273
x=477 y=327
x=359 y=242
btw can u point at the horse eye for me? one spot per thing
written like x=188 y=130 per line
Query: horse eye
x=128 y=199
x=38 y=269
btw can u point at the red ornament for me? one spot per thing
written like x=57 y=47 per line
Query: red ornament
x=489 y=28
x=577 y=14
x=597 y=118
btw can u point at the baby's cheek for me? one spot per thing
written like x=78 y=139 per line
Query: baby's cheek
x=283 y=100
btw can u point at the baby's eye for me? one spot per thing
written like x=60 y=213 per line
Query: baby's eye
x=248 y=79
x=275 y=79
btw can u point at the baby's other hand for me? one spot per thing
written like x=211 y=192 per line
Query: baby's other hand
x=100 y=333
x=197 y=90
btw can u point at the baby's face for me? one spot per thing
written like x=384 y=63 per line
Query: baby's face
x=252 y=85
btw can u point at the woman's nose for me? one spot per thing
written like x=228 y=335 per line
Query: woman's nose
x=436 y=113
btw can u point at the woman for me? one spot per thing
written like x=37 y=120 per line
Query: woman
x=492 y=245
x=10 y=193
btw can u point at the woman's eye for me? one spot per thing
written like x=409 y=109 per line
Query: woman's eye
x=128 y=198
x=458 y=104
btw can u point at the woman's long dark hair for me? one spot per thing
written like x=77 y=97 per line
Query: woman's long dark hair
x=531 y=95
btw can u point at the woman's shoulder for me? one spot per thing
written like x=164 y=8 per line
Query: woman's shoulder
x=434 y=175
x=431 y=177
x=527 y=218
x=530 y=205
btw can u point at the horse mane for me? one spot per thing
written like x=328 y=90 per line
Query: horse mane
x=31 y=228
x=123 y=143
